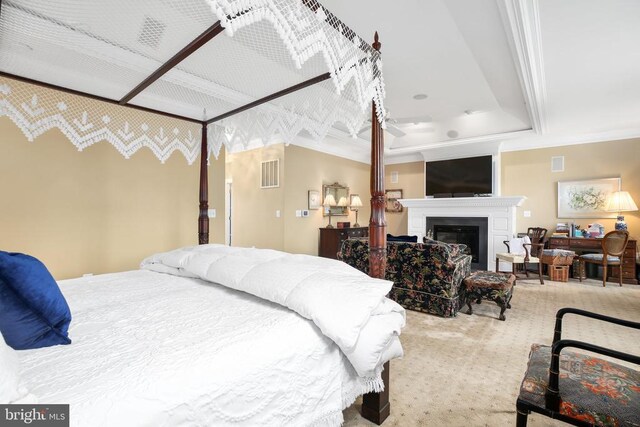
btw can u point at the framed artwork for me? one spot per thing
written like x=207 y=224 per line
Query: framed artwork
x=392 y=204
x=587 y=198
x=314 y=199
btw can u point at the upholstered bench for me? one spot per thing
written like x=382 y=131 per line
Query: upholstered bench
x=487 y=285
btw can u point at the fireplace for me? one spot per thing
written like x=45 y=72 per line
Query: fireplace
x=468 y=231
x=499 y=212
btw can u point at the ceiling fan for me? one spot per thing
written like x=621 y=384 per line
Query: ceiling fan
x=398 y=126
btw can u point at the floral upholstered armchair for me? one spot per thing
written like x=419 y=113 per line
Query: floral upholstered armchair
x=426 y=276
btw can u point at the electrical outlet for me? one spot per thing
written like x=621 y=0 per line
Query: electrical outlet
x=211 y=213
x=527 y=214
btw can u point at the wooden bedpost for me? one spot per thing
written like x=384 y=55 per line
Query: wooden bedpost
x=375 y=406
x=203 y=218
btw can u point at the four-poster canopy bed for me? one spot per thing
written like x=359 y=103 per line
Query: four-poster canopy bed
x=340 y=71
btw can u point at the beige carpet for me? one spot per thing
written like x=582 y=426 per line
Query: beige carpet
x=466 y=371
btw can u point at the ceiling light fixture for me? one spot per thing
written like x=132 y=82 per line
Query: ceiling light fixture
x=469 y=112
x=420 y=96
x=452 y=134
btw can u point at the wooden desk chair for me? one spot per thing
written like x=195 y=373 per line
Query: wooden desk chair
x=531 y=255
x=614 y=244
x=578 y=388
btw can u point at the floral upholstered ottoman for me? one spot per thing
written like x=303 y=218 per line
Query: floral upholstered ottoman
x=488 y=285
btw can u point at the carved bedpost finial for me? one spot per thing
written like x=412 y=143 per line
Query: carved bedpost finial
x=376 y=42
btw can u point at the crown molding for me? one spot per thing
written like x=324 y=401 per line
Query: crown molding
x=390 y=159
x=549 y=141
x=446 y=145
x=462 y=151
x=522 y=18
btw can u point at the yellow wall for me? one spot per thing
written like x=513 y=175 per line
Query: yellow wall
x=254 y=221
x=254 y=209
x=529 y=173
x=94 y=211
x=309 y=170
x=411 y=182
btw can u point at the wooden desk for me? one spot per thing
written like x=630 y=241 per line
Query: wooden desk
x=587 y=245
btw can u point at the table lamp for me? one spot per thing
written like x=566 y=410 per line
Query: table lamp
x=620 y=201
x=355 y=204
x=329 y=201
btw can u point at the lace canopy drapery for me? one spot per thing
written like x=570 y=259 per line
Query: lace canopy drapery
x=84 y=122
x=107 y=48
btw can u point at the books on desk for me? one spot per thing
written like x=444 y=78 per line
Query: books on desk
x=562 y=230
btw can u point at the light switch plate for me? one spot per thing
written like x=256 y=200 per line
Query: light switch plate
x=211 y=213
x=278 y=213
x=527 y=214
x=298 y=213
x=305 y=213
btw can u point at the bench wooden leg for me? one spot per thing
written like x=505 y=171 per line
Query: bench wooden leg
x=503 y=307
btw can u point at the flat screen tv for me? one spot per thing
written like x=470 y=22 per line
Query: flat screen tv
x=469 y=176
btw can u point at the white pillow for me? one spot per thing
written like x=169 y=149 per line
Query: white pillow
x=10 y=389
x=516 y=245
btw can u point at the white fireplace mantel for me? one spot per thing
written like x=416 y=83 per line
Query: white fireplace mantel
x=500 y=212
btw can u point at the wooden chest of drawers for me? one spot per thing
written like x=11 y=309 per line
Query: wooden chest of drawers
x=583 y=245
x=331 y=239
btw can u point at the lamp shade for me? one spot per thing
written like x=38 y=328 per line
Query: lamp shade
x=329 y=200
x=355 y=201
x=343 y=201
x=620 y=201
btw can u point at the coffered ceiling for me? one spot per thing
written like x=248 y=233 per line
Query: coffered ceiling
x=520 y=73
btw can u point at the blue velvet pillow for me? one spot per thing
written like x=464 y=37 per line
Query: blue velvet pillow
x=33 y=312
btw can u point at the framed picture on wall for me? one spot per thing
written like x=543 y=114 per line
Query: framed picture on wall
x=314 y=199
x=586 y=198
x=392 y=204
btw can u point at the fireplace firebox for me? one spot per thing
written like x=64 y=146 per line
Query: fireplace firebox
x=471 y=232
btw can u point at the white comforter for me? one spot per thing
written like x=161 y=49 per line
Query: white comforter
x=348 y=306
x=153 y=349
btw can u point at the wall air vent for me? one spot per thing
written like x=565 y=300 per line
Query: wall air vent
x=557 y=164
x=151 y=32
x=270 y=174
